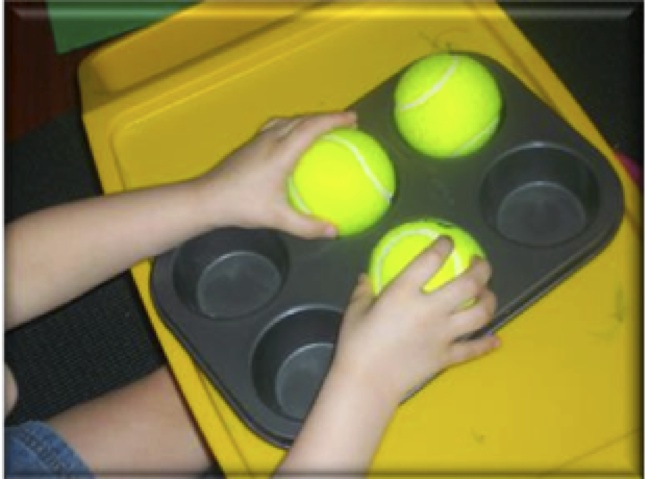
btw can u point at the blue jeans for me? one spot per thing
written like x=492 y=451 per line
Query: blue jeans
x=34 y=449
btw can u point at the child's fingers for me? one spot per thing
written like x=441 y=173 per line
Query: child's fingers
x=464 y=351
x=286 y=128
x=465 y=287
x=308 y=129
x=424 y=266
x=474 y=317
x=306 y=226
x=280 y=127
x=362 y=296
x=273 y=123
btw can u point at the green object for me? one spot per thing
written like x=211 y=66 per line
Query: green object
x=77 y=24
x=401 y=245
x=447 y=105
x=346 y=178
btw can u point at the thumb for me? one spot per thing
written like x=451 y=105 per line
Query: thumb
x=362 y=296
x=307 y=227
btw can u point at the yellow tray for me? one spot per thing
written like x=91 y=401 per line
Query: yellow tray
x=560 y=397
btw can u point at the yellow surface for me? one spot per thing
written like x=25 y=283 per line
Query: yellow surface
x=562 y=394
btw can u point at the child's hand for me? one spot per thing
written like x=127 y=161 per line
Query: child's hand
x=248 y=188
x=396 y=342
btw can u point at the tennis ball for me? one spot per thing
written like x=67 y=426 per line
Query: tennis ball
x=345 y=177
x=399 y=246
x=447 y=105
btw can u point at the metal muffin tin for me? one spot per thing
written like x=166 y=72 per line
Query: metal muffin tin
x=259 y=310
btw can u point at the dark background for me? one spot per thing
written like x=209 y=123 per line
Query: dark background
x=103 y=340
x=596 y=49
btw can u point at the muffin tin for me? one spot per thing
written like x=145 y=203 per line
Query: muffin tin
x=259 y=310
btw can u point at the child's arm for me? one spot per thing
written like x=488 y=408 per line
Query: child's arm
x=56 y=254
x=388 y=347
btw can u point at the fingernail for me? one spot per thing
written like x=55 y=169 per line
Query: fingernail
x=353 y=115
x=330 y=231
x=444 y=242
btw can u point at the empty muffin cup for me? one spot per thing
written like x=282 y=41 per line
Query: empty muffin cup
x=540 y=195
x=292 y=358
x=230 y=272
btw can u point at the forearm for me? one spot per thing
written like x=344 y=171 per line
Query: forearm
x=343 y=429
x=56 y=254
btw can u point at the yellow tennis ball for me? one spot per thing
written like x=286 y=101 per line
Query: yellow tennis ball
x=345 y=177
x=447 y=105
x=399 y=246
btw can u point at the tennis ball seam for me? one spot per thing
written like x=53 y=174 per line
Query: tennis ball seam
x=382 y=190
x=456 y=260
x=473 y=139
x=295 y=195
x=434 y=89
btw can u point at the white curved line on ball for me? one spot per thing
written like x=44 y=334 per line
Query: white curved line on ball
x=485 y=131
x=297 y=198
x=434 y=88
x=387 y=195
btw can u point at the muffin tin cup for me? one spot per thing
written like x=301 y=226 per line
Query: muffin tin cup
x=230 y=274
x=540 y=196
x=292 y=357
x=259 y=310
